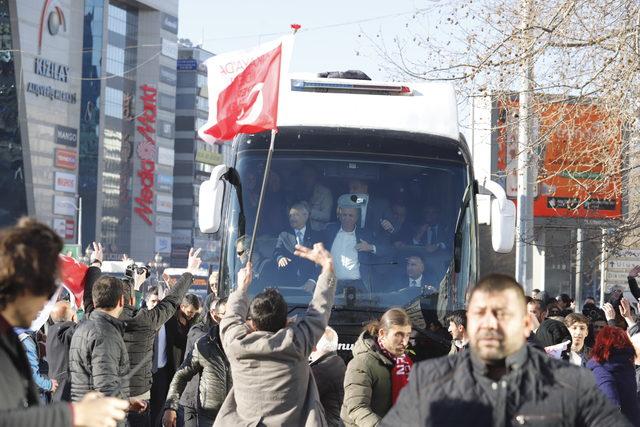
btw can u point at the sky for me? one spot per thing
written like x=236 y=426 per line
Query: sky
x=328 y=41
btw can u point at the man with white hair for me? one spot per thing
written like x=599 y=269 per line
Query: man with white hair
x=328 y=370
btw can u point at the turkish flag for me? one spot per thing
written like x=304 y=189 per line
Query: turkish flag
x=72 y=275
x=243 y=90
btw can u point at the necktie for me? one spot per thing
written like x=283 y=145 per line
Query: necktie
x=299 y=236
x=414 y=283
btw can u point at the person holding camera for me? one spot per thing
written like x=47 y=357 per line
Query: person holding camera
x=141 y=325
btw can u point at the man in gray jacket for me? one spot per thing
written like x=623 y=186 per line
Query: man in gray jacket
x=501 y=381
x=272 y=381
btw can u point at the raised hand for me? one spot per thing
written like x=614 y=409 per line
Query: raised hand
x=194 y=261
x=635 y=271
x=318 y=255
x=98 y=253
x=609 y=311
x=245 y=276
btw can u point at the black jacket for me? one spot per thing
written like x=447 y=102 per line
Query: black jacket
x=209 y=360
x=58 y=344
x=176 y=343
x=298 y=270
x=537 y=390
x=19 y=399
x=140 y=330
x=328 y=372
x=98 y=358
x=190 y=395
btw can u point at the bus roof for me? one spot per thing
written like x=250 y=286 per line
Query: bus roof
x=423 y=107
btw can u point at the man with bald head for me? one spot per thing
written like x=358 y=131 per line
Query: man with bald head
x=58 y=343
x=501 y=381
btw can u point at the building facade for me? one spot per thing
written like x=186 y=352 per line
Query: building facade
x=194 y=158
x=87 y=120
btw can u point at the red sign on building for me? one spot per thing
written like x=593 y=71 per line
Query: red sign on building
x=146 y=151
x=66 y=159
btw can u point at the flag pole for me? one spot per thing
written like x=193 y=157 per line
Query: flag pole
x=265 y=179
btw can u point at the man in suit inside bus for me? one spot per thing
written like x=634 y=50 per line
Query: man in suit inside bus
x=353 y=248
x=293 y=269
x=413 y=281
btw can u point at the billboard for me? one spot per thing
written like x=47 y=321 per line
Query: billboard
x=579 y=144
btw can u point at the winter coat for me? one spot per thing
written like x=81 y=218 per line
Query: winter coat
x=209 y=361
x=536 y=390
x=140 y=330
x=328 y=371
x=367 y=384
x=617 y=380
x=58 y=343
x=98 y=358
x=189 y=397
x=272 y=380
x=19 y=400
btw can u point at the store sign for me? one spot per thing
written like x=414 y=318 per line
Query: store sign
x=53 y=70
x=208 y=157
x=66 y=136
x=187 y=64
x=146 y=151
x=164 y=182
x=66 y=228
x=65 y=182
x=163 y=224
x=63 y=205
x=166 y=156
x=52 y=17
x=52 y=93
x=164 y=203
x=59 y=226
x=163 y=244
x=66 y=159
x=169 y=49
x=169 y=23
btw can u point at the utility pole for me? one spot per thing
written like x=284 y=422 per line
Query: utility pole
x=524 y=213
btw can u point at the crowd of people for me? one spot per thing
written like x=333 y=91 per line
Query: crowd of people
x=173 y=360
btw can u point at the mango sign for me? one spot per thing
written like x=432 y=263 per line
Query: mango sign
x=580 y=159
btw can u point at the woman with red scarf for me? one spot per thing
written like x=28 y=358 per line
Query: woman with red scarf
x=378 y=371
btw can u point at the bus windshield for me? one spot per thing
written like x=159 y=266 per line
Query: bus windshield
x=389 y=222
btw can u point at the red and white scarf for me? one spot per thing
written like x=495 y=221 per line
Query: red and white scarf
x=399 y=373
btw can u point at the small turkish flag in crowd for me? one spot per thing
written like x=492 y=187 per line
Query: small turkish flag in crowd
x=72 y=275
x=244 y=88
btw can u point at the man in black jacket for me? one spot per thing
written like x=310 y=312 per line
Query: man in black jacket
x=141 y=327
x=501 y=381
x=29 y=255
x=58 y=343
x=98 y=358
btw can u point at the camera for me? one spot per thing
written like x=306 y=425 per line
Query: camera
x=146 y=270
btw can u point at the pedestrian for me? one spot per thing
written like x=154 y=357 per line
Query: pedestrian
x=458 y=329
x=578 y=326
x=58 y=343
x=46 y=385
x=500 y=381
x=328 y=370
x=169 y=350
x=272 y=381
x=378 y=371
x=98 y=358
x=28 y=265
x=142 y=325
x=189 y=397
x=612 y=364
x=208 y=361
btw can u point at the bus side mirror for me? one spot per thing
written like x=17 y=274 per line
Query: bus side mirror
x=211 y=198
x=503 y=225
x=502 y=217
